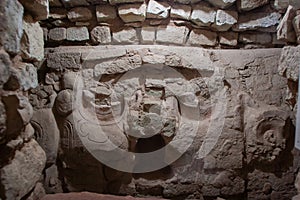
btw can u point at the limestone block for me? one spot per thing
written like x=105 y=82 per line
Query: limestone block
x=60 y=61
x=181 y=11
x=46 y=133
x=20 y=176
x=148 y=34
x=225 y=20
x=79 y=14
x=39 y=9
x=57 y=34
x=11 y=26
x=285 y=29
x=229 y=38
x=171 y=34
x=101 y=35
x=132 y=12
x=158 y=10
x=256 y=38
x=77 y=34
x=246 y=5
x=32 y=44
x=127 y=36
x=200 y=37
x=222 y=3
x=105 y=13
x=24 y=76
x=253 y=21
x=289 y=63
x=74 y=3
x=203 y=15
x=58 y=13
x=113 y=2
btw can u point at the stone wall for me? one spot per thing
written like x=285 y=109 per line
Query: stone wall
x=141 y=59
x=22 y=160
x=210 y=23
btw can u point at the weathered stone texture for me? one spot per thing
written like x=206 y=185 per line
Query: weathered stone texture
x=101 y=35
x=285 y=29
x=32 y=45
x=11 y=28
x=253 y=21
x=200 y=37
x=225 y=20
x=229 y=38
x=77 y=34
x=74 y=3
x=171 y=34
x=181 y=11
x=24 y=170
x=126 y=36
x=255 y=38
x=132 y=12
x=57 y=34
x=203 y=15
x=157 y=9
x=105 y=13
x=247 y=5
x=39 y=9
x=289 y=63
x=222 y=3
x=80 y=14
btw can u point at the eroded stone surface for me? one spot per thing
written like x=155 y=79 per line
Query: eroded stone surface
x=79 y=14
x=101 y=35
x=77 y=34
x=132 y=13
x=24 y=170
x=157 y=10
x=39 y=9
x=105 y=13
x=251 y=4
x=203 y=15
x=285 y=29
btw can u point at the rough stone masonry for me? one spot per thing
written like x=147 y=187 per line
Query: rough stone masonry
x=213 y=83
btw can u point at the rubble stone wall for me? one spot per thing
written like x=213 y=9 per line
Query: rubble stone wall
x=207 y=23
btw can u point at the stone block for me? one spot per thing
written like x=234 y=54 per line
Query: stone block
x=77 y=34
x=203 y=15
x=253 y=21
x=105 y=13
x=20 y=176
x=60 y=61
x=256 y=38
x=200 y=37
x=132 y=12
x=11 y=26
x=57 y=34
x=39 y=9
x=79 y=14
x=181 y=11
x=222 y=3
x=101 y=35
x=158 y=10
x=229 y=38
x=171 y=34
x=74 y=3
x=225 y=20
x=246 y=5
x=32 y=43
x=126 y=36
x=148 y=34
x=289 y=63
x=296 y=25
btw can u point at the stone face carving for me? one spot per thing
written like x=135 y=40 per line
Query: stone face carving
x=204 y=115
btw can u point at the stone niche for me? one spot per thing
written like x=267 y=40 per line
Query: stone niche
x=171 y=122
